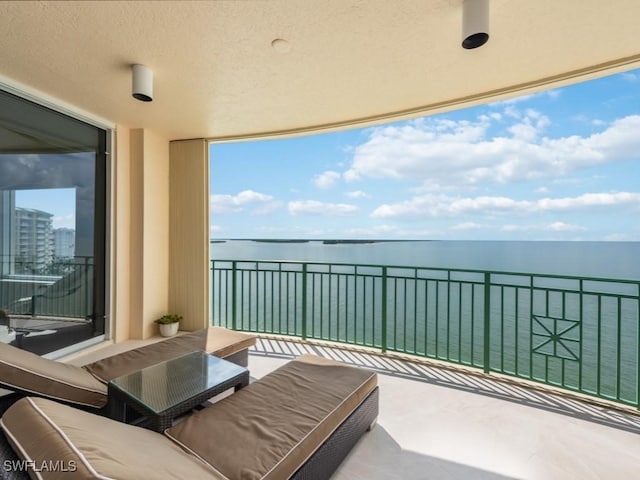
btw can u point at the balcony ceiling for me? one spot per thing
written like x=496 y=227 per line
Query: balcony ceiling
x=234 y=69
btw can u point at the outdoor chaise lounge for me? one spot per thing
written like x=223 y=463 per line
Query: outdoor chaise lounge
x=29 y=374
x=298 y=422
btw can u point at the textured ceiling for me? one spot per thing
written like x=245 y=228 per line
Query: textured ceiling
x=219 y=73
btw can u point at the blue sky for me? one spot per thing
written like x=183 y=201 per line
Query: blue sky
x=61 y=202
x=557 y=165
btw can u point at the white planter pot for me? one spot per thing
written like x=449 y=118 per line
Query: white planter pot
x=169 y=329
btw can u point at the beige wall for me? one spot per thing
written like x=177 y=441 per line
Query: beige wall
x=121 y=237
x=160 y=236
x=148 y=238
x=189 y=233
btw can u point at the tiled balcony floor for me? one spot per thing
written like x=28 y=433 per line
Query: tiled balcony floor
x=443 y=424
x=440 y=424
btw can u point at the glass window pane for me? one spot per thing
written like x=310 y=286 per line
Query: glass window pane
x=52 y=224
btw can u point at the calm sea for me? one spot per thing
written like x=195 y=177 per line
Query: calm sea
x=619 y=260
x=581 y=335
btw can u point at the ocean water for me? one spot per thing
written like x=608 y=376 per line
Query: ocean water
x=583 y=335
x=619 y=260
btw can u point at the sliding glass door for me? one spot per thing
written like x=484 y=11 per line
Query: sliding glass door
x=53 y=171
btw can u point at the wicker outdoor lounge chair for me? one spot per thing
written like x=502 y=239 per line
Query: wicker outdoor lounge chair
x=299 y=422
x=86 y=387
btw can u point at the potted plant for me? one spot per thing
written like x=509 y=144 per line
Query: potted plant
x=169 y=324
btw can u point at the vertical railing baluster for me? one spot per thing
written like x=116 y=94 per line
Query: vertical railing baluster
x=234 y=293
x=460 y=321
x=581 y=309
x=280 y=298
x=437 y=320
x=619 y=350
x=531 y=312
x=395 y=314
x=448 y=323
x=502 y=309
x=355 y=306
x=487 y=324
x=516 y=317
x=330 y=298
x=473 y=324
x=384 y=309
x=304 y=301
x=415 y=311
x=599 y=356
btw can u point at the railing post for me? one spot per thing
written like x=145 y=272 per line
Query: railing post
x=304 y=301
x=212 y=304
x=384 y=309
x=234 y=300
x=487 y=322
x=33 y=305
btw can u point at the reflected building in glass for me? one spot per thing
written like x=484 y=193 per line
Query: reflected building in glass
x=34 y=239
x=64 y=240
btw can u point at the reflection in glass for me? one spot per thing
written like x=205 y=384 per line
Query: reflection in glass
x=52 y=224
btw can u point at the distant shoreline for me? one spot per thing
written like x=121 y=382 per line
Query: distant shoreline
x=325 y=241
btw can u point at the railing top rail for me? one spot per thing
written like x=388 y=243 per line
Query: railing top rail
x=435 y=269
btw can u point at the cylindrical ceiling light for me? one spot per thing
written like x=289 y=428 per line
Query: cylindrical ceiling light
x=475 y=23
x=142 y=83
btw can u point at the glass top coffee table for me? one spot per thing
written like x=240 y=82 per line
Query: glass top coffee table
x=162 y=392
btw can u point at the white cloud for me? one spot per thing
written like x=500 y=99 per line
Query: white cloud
x=445 y=154
x=215 y=228
x=390 y=231
x=589 y=200
x=313 y=207
x=542 y=190
x=357 y=194
x=466 y=226
x=565 y=227
x=267 y=208
x=261 y=203
x=377 y=231
x=559 y=227
x=64 y=221
x=326 y=179
x=622 y=237
x=249 y=196
x=446 y=206
x=631 y=77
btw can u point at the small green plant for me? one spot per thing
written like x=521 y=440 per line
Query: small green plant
x=169 y=318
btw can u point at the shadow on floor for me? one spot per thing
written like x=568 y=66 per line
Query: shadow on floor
x=452 y=379
x=394 y=463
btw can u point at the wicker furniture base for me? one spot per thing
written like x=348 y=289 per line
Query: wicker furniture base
x=328 y=457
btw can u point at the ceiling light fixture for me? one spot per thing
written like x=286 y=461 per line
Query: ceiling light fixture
x=142 y=83
x=475 y=23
